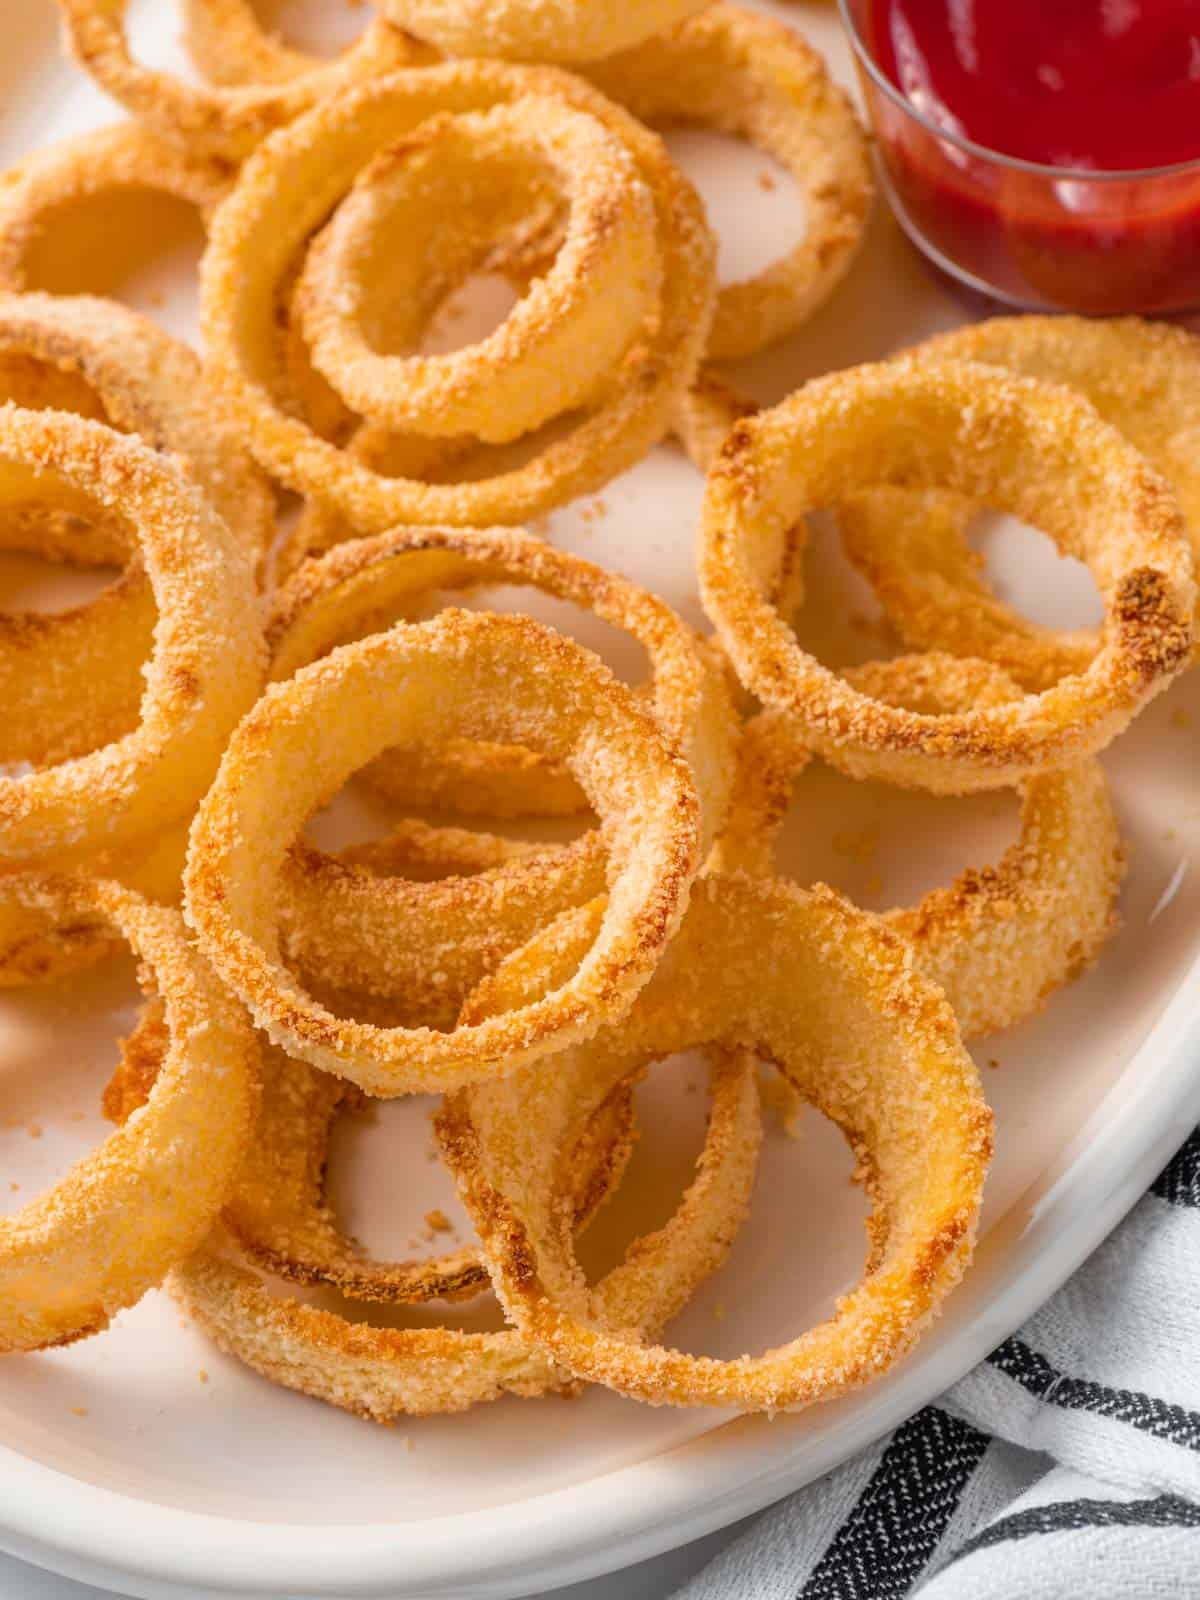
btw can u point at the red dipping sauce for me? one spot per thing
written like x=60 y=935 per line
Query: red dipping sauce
x=1043 y=151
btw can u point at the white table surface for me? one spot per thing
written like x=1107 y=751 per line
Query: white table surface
x=652 y=1580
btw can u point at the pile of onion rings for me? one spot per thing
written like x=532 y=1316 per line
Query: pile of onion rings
x=177 y=737
x=302 y=176
x=395 y=946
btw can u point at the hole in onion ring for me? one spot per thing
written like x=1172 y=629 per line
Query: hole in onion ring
x=882 y=846
x=725 y=171
x=139 y=246
x=60 y=1042
x=313 y=26
x=1018 y=561
x=48 y=588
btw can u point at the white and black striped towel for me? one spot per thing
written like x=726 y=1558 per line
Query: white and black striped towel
x=1066 y=1467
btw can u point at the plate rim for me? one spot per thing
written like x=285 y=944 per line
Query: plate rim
x=638 y=1511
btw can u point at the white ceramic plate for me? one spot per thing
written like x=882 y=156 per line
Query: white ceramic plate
x=144 y=1461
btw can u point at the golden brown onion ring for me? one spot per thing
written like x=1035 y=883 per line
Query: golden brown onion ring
x=43 y=187
x=359 y=929
x=564 y=338
x=207 y=660
x=230 y=45
x=1142 y=377
x=291 y=186
x=72 y=681
x=733 y=72
x=309 y=734
x=381 y=1373
x=1034 y=449
x=219 y=122
x=1001 y=939
x=867 y=1042
x=125 y=1215
x=565 y=31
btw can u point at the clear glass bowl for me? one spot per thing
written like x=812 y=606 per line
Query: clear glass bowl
x=1037 y=237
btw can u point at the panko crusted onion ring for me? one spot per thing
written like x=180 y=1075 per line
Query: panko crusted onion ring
x=72 y=681
x=1034 y=449
x=432 y=942
x=46 y=184
x=1001 y=939
x=230 y=45
x=1142 y=377
x=867 y=1042
x=306 y=736
x=221 y=122
x=733 y=72
x=563 y=31
x=123 y=1216
x=565 y=336
x=289 y=188
x=206 y=665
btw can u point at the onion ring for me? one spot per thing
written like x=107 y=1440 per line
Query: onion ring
x=1001 y=939
x=433 y=942
x=221 y=122
x=1034 y=449
x=871 y=1045
x=564 y=337
x=377 y=693
x=231 y=47
x=143 y=1202
x=1140 y=376
x=72 y=681
x=290 y=187
x=565 y=31
x=734 y=72
x=207 y=660
x=46 y=184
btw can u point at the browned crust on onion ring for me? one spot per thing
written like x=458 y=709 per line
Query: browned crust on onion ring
x=307 y=735
x=205 y=668
x=262 y=230
x=572 y=327
x=1142 y=377
x=279 y=1212
x=1034 y=449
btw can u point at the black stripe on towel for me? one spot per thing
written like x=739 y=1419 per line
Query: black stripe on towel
x=1071 y=1516
x=1142 y=1411
x=900 y=1518
x=1179 y=1181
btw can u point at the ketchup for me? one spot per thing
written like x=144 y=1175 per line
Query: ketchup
x=1095 y=86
